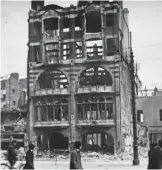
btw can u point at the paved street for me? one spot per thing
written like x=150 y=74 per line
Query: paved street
x=43 y=164
x=90 y=165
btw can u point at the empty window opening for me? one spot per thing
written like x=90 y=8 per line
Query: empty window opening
x=51 y=27
x=78 y=23
x=160 y=112
x=112 y=46
x=94 y=108
x=93 y=22
x=98 y=142
x=94 y=49
x=52 y=110
x=52 y=80
x=66 y=25
x=95 y=76
x=13 y=90
x=78 y=48
x=140 y=116
x=66 y=51
x=37 y=28
x=52 y=52
x=35 y=51
x=111 y=19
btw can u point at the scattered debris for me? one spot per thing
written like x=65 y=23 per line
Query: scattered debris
x=86 y=156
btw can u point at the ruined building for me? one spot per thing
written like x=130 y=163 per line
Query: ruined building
x=149 y=115
x=14 y=111
x=79 y=87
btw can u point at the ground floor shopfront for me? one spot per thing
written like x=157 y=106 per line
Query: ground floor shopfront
x=93 y=139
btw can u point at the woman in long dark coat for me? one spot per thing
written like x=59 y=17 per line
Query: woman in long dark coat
x=152 y=146
x=29 y=158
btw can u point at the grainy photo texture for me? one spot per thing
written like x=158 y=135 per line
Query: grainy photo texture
x=81 y=84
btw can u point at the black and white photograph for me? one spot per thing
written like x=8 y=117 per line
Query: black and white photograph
x=81 y=84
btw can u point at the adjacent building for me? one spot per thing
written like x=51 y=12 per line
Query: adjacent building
x=14 y=111
x=149 y=114
x=79 y=87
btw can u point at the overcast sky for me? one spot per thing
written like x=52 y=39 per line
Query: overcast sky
x=144 y=20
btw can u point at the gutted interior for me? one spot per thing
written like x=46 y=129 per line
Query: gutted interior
x=78 y=49
x=52 y=141
x=66 y=51
x=94 y=107
x=51 y=79
x=93 y=22
x=51 y=27
x=94 y=49
x=37 y=28
x=66 y=24
x=52 y=52
x=35 y=54
x=95 y=76
x=52 y=109
x=97 y=141
x=76 y=38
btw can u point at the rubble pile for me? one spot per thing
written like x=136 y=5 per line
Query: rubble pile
x=86 y=156
x=3 y=155
x=94 y=155
x=143 y=153
x=53 y=154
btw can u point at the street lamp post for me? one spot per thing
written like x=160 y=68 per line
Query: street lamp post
x=135 y=138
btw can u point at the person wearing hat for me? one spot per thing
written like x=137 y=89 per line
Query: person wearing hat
x=156 y=156
x=75 y=159
x=12 y=155
x=29 y=158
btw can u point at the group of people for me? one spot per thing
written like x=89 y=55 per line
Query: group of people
x=75 y=162
x=154 y=155
x=13 y=157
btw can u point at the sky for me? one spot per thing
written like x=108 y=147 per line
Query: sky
x=144 y=21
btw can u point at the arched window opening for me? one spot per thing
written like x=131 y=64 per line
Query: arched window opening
x=52 y=80
x=98 y=142
x=95 y=76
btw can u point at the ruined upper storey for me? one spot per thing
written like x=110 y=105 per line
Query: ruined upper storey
x=90 y=30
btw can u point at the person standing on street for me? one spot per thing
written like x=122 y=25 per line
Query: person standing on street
x=152 y=146
x=156 y=156
x=12 y=155
x=75 y=160
x=29 y=158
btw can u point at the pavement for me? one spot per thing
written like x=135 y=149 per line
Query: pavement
x=96 y=164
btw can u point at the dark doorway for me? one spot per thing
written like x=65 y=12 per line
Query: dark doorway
x=58 y=141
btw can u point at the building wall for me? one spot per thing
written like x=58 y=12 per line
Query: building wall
x=151 y=106
x=12 y=90
x=73 y=67
x=126 y=112
x=13 y=115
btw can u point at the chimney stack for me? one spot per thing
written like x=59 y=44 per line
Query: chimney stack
x=36 y=5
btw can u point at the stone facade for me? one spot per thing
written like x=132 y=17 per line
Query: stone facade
x=78 y=85
x=150 y=108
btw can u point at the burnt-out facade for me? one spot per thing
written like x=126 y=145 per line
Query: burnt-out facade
x=14 y=113
x=79 y=86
